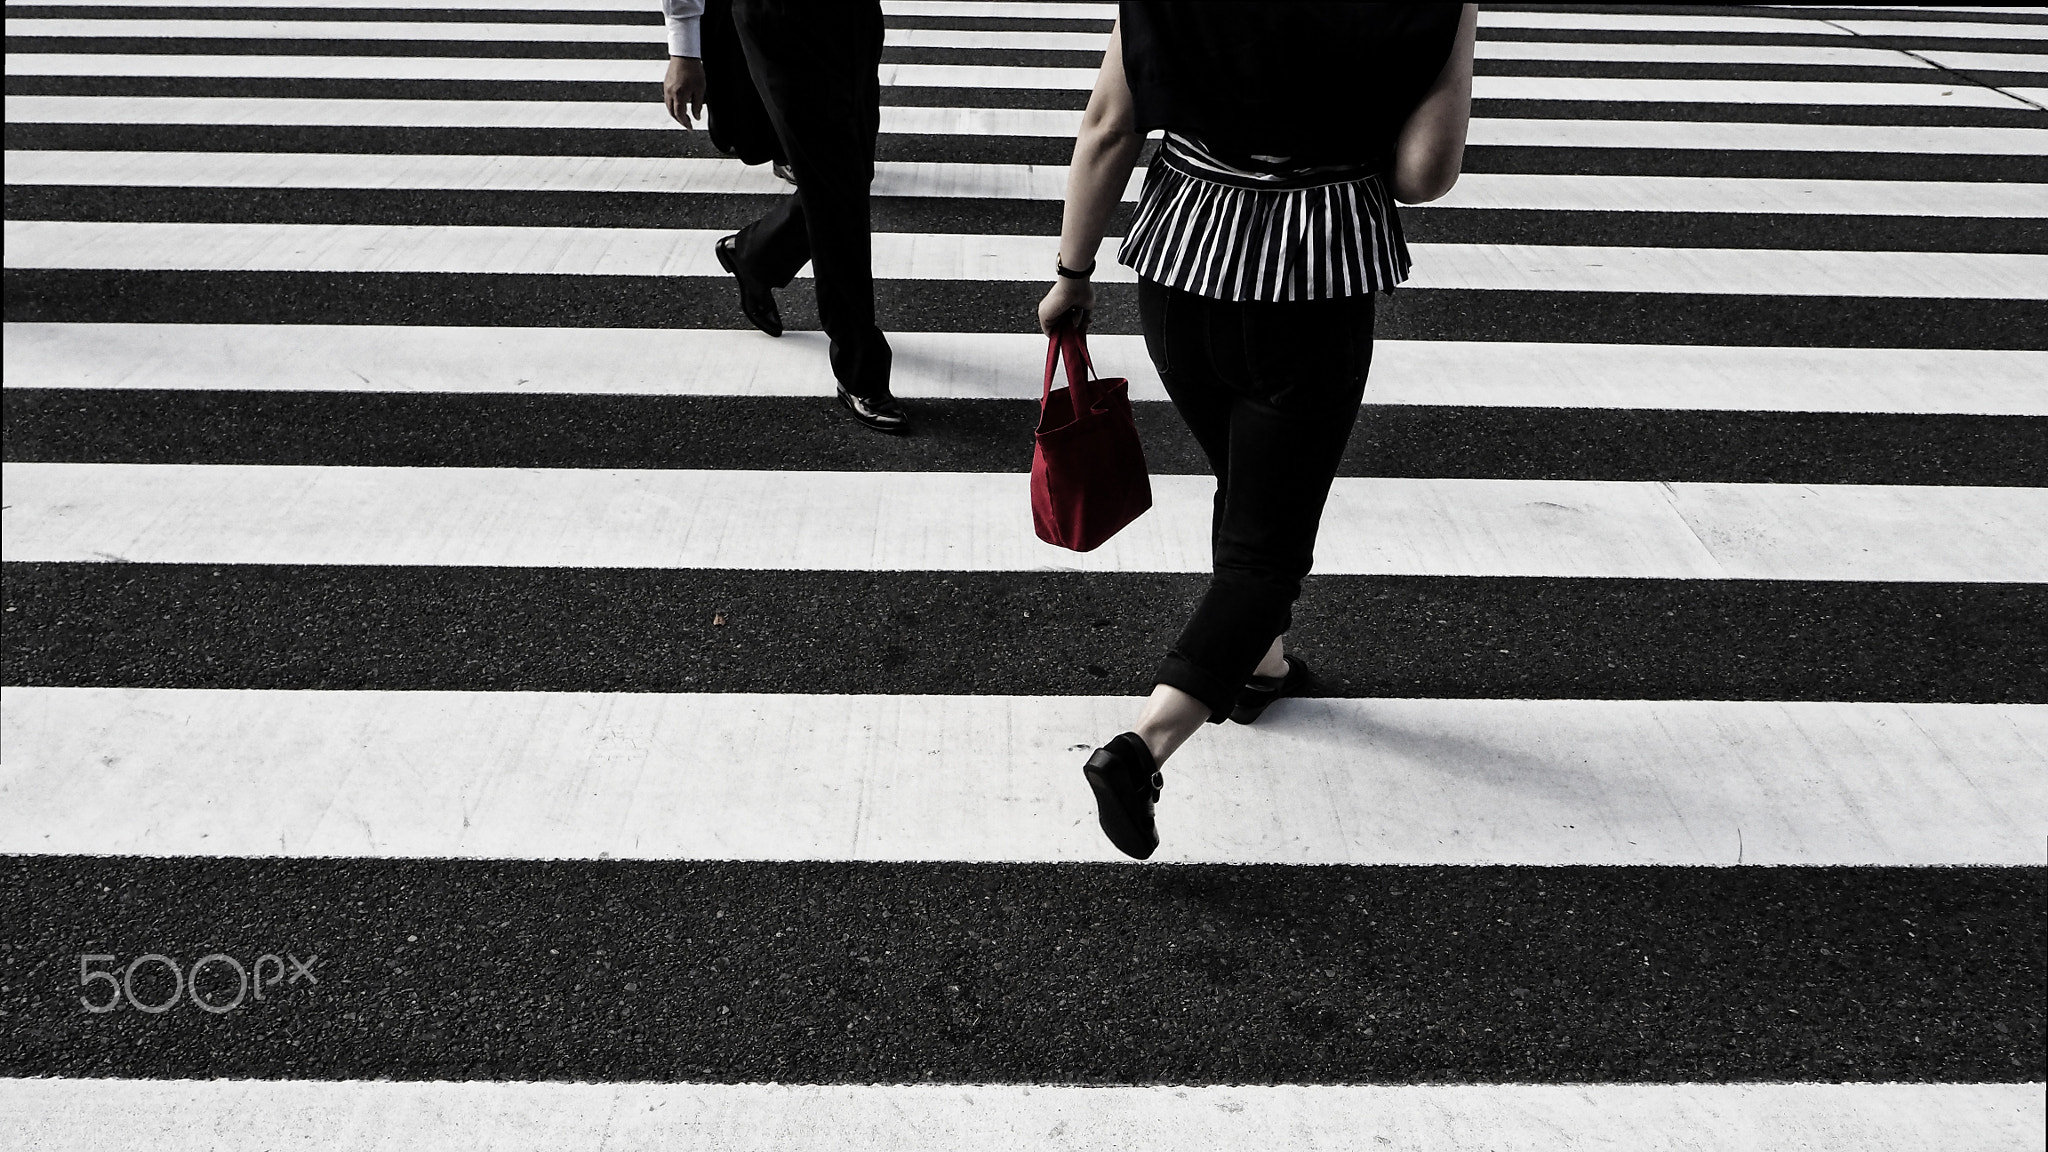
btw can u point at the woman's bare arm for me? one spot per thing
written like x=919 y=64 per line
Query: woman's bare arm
x=1104 y=154
x=1431 y=148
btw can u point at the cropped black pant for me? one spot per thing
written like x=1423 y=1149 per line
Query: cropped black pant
x=1271 y=391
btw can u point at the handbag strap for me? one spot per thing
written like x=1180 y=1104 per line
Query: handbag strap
x=1067 y=343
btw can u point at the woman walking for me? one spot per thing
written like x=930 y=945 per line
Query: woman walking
x=1265 y=225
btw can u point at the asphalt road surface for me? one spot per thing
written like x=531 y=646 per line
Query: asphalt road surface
x=466 y=689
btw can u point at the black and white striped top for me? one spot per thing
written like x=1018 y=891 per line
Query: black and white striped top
x=1270 y=232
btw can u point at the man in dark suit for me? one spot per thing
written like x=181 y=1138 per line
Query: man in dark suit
x=795 y=81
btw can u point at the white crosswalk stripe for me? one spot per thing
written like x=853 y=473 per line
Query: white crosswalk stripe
x=939 y=256
x=678 y=175
x=990 y=366
x=580 y=6
x=577 y=774
x=1524 y=1118
x=1023 y=77
x=1043 y=122
x=1034 y=41
x=976 y=521
x=284 y=614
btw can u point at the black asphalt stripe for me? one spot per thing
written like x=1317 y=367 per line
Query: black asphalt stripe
x=1946 y=44
x=1904 y=73
x=497 y=49
x=310 y=88
x=1934 y=14
x=1643 y=69
x=621 y=15
x=124 y=426
x=1995 y=79
x=373 y=140
x=1788 y=12
x=362 y=627
x=1738 y=163
x=999 y=23
x=1800 y=39
x=963 y=149
x=68 y=295
x=928 y=97
x=944 y=214
x=994 y=57
x=859 y=973
x=1874 y=114
x=917 y=96
x=316 y=138
x=939 y=97
x=1908 y=115
x=1802 y=231
x=583 y=209
x=1685 y=318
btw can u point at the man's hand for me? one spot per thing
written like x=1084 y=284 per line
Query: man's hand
x=683 y=89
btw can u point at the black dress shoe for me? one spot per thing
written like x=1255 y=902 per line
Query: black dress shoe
x=882 y=413
x=757 y=300
x=1126 y=781
x=1259 y=692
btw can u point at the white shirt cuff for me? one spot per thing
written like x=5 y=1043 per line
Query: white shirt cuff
x=682 y=37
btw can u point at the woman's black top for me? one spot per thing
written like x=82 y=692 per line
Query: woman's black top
x=1320 y=83
x=1280 y=120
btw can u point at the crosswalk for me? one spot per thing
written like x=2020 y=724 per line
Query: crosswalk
x=439 y=629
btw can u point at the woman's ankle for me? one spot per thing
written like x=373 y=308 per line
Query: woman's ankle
x=1170 y=717
x=1274 y=665
x=1161 y=744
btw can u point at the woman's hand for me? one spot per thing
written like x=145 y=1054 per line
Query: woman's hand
x=1069 y=301
x=682 y=90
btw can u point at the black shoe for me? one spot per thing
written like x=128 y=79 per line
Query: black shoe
x=1259 y=692
x=1126 y=781
x=757 y=300
x=882 y=413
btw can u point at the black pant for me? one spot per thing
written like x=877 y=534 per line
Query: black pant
x=814 y=64
x=1270 y=391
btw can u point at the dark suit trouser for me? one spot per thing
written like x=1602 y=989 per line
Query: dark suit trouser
x=814 y=63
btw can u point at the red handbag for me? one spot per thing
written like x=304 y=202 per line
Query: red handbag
x=1088 y=475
